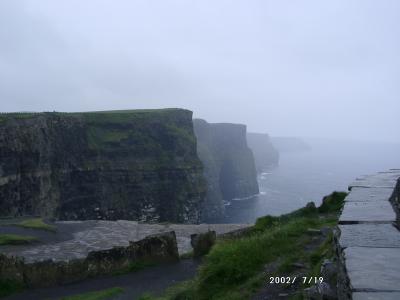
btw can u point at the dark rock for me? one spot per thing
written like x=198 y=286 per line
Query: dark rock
x=298 y=265
x=202 y=242
x=136 y=165
x=314 y=231
x=329 y=272
x=320 y=291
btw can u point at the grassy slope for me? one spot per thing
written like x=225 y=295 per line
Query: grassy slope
x=233 y=268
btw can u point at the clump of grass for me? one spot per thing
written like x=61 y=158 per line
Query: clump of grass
x=14 y=239
x=332 y=203
x=97 y=295
x=37 y=223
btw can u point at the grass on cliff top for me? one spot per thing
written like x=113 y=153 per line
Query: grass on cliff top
x=96 y=116
x=233 y=269
x=37 y=223
x=97 y=295
x=14 y=239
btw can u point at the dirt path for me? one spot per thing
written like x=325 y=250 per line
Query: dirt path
x=153 y=279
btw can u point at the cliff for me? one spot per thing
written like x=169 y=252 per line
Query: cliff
x=290 y=144
x=138 y=165
x=265 y=154
x=228 y=164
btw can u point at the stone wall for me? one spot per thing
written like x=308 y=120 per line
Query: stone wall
x=153 y=249
x=368 y=240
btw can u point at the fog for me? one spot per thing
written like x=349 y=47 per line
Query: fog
x=297 y=68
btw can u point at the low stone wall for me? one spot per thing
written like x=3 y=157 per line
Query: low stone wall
x=152 y=249
x=368 y=240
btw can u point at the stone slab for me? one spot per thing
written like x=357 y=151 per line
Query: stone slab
x=383 y=179
x=373 y=268
x=359 y=194
x=376 y=296
x=369 y=235
x=374 y=212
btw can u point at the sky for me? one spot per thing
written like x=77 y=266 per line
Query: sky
x=290 y=68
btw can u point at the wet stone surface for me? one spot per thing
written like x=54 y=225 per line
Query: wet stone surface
x=358 y=194
x=374 y=212
x=369 y=239
x=101 y=235
x=373 y=268
x=369 y=235
x=382 y=179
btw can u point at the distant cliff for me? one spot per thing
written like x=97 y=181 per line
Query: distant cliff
x=228 y=164
x=138 y=165
x=265 y=154
x=290 y=144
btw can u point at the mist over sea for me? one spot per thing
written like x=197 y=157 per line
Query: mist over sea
x=308 y=176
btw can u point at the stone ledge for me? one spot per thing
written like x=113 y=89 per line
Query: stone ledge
x=378 y=211
x=367 y=242
x=153 y=249
x=373 y=268
x=369 y=235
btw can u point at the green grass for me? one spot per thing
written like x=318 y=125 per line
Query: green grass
x=36 y=223
x=98 y=295
x=14 y=239
x=233 y=268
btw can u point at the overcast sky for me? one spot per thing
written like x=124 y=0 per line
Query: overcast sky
x=297 y=68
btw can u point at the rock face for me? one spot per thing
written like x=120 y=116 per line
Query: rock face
x=138 y=165
x=228 y=164
x=265 y=154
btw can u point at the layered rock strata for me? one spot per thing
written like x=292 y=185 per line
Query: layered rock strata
x=138 y=165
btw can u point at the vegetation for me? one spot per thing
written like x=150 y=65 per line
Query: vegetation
x=36 y=223
x=8 y=287
x=14 y=239
x=233 y=269
x=97 y=295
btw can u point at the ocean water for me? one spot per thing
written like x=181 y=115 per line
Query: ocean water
x=302 y=177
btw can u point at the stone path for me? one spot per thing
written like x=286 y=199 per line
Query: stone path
x=75 y=239
x=369 y=238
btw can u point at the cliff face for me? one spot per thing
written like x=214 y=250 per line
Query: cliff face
x=265 y=154
x=290 y=144
x=138 y=165
x=228 y=164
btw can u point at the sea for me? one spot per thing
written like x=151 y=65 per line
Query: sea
x=304 y=176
